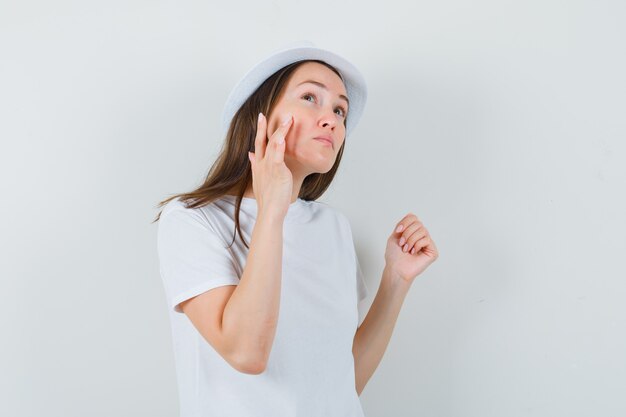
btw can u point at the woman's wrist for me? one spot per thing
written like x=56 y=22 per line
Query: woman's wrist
x=270 y=218
x=395 y=281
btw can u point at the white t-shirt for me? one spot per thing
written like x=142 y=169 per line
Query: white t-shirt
x=310 y=370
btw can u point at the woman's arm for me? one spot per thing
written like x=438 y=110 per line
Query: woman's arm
x=372 y=337
x=250 y=318
x=402 y=265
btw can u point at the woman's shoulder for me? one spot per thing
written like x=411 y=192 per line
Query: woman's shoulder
x=177 y=204
x=178 y=209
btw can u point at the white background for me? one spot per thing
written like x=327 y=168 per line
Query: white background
x=500 y=124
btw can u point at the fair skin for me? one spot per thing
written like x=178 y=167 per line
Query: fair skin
x=410 y=249
x=316 y=112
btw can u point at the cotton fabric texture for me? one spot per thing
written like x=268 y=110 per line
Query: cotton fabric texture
x=310 y=370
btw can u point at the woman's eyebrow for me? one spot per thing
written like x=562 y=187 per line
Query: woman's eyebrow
x=319 y=84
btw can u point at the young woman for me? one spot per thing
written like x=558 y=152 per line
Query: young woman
x=271 y=328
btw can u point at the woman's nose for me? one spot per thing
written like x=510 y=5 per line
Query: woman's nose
x=328 y=118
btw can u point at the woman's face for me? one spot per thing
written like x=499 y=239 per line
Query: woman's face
x=317 y=112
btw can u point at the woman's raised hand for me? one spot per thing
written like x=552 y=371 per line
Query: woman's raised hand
x=272 y=181
x=410 y=249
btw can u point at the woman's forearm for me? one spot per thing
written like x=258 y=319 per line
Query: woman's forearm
x=372 y=337
x=251 y=315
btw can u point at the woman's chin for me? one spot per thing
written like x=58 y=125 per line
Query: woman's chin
x=323 y=168
x=317 y=162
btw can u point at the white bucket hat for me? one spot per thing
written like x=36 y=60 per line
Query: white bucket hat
x=353 y=80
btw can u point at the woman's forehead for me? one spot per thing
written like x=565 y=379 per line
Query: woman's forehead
x=319 y=74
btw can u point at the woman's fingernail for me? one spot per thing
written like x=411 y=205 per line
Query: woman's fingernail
x=286 y=120
x=399 y=228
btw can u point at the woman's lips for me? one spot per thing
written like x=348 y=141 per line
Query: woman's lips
x=325 y=141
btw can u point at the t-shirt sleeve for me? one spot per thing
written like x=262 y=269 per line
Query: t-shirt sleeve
x=361 y=287
x=360 y=280
x=192 y=256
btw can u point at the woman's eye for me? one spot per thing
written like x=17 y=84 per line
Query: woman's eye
x=343 y=111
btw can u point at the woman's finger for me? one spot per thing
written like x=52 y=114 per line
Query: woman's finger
x=412 y=240
x=408 y=232
x=404 y=223
x=277 y=147
x=261 y=136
